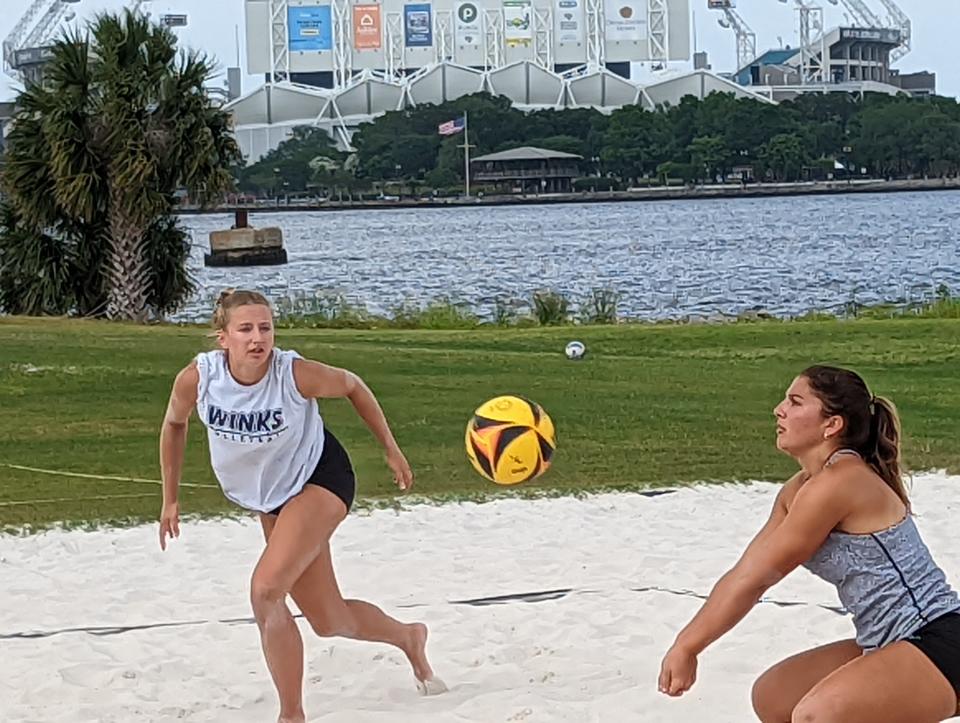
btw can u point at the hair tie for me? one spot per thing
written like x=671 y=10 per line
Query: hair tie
x=873 y=405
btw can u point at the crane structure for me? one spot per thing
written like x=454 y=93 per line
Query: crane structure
x=26 y=47
x=47 y=26
x=861 y=16
x=746 y=38
x=33 y=30
x=898 y=20
x=813 y=42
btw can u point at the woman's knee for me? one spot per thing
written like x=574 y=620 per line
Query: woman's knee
x=821 y=707
x=768 y=700
x=266 y=590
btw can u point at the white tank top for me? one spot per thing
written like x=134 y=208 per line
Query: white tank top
x=266 y=438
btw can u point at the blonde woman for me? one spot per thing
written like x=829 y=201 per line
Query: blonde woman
x=273 y=455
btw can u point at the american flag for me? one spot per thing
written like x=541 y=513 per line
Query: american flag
x=451 y=127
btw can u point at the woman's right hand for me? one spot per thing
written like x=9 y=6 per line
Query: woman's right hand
x=169 y=522
x=678 y=671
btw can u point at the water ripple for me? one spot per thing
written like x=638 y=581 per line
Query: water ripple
x=669 y=259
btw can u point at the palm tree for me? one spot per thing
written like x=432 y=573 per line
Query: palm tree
x=99 y=148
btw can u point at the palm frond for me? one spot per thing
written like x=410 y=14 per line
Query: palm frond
x=97 y=151
x=36 y=270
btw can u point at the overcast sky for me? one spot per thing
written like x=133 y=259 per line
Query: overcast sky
x=936 y=27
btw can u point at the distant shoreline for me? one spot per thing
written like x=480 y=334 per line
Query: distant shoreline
x=663 y=193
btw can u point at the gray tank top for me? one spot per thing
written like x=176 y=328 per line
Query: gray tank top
x=887 y=580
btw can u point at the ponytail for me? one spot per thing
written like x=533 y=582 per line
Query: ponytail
x=872 y=426
x=883 y=446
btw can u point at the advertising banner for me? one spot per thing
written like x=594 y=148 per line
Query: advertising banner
x=626 y=20
x=310 y=27
x=418 y=25
x=568 y=17
x=367 y=31
x=517 y=22
x=468 y=29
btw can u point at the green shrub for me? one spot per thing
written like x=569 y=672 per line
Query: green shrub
x=550 y=308
x=600 y=307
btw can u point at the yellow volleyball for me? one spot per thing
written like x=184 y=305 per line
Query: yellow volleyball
x=510 y=440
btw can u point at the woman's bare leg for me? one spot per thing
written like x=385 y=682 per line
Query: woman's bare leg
x=896 y=684
x=318 y=596
x=300 y=533
x=777 y=692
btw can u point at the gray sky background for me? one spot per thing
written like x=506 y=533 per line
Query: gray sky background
x=936 y=27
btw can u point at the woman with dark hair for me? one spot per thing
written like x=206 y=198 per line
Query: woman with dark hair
x=846 y=517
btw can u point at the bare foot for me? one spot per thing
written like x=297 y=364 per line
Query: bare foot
x=292 y=719
x=416 y=650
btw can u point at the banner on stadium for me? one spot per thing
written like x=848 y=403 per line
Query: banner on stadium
x=367 y=32
x=568 y=20
x=309 y=27
x=468 y=28
x=517 y=22
x=626 y=20
x=418 y=25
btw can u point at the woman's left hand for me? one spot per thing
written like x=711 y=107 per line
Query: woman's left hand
x=402 y=473
x=678 y=672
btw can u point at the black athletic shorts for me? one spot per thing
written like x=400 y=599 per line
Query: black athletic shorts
x=940 y=641
x=333 y=472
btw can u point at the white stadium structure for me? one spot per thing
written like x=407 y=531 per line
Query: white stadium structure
x=336 y=64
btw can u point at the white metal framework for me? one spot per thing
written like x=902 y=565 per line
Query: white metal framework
x=493 y=56
x=279 y=47
x=658 y=14
x=899 y=20
x=861 y=16
x=342 y=52
x=813 y=43
x=746 y=38
x=596 y=45
x=34 y=29
x=266 y=116
x=542 y=31
x=27 y=48
x=584 y=35
x=394 y=60
x=443 y=35
x=15 y=39
x=44 y=30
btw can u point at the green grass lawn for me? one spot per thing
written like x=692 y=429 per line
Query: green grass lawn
x=651 y=405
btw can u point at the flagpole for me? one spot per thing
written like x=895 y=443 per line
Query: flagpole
x=466 y=153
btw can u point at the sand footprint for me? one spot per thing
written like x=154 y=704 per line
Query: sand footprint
x=521 y=715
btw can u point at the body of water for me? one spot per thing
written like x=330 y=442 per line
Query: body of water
x=666 y=260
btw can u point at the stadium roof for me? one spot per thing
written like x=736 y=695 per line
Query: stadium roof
x=266 y=116
x=527 y=153
x=778 y=56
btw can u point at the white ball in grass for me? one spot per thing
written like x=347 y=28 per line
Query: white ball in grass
x=575 y=350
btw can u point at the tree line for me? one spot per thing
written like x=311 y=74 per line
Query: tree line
x=694 y=140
